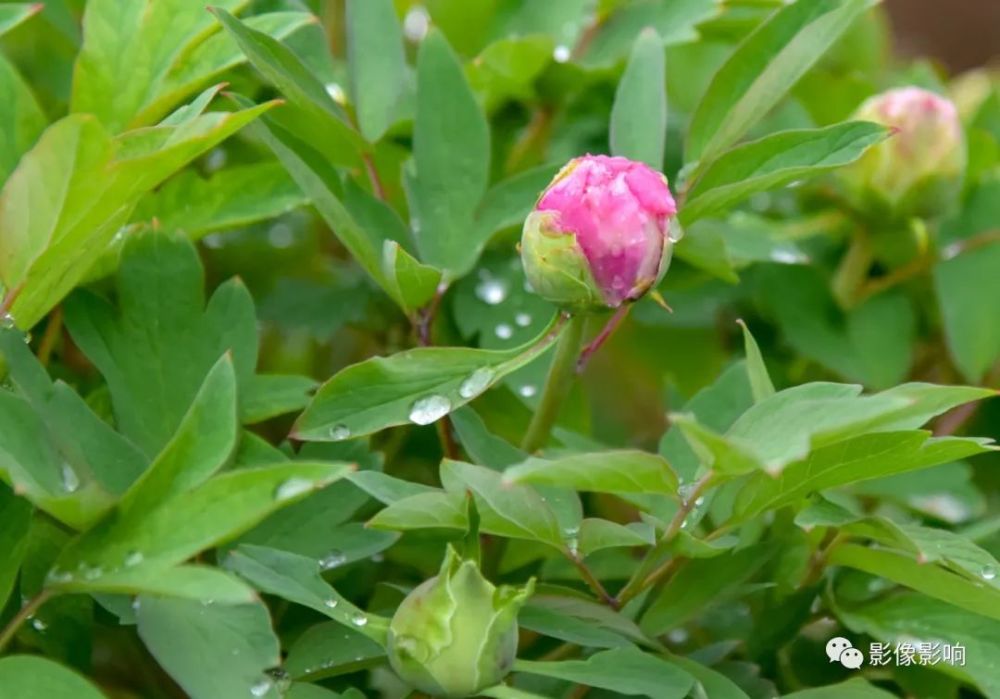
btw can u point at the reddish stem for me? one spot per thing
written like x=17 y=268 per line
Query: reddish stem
x=602 y=337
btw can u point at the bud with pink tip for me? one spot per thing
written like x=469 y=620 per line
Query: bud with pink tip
x=919 y=169
x=599 y=235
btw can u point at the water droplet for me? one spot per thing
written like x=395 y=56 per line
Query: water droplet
x=477 y=382
x=617 y=282
x=561 y=54
x=699 y=502
x=57 y=576
x=331 y=602
x=291 y=488
x=214 y=241
x=333 y=559
x=492 y=291
x=429 y=409
x=522 y=319
x=674 y=232
x=91 y=573
x=133 y=558
x=7 y=321
x=416 y=23
x=339 y=433
x=359 y=619
x=38 y=625
x=678 y=635
x=570 y=532
x=216 y=160
x=70 y=481
x=504 y=331
x=336 y=92
x=261 y=687
x=685 y=491
x=281 y=236
x=135 y=604
x=988 y=573
x=527 y=390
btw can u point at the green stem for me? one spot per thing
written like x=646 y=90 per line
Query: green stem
x=853 y=271
x=557 y=385
x=23 y=615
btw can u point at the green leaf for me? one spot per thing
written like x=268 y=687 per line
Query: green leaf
x=297 y=579
x=96 y=182
x=482 y=446
x=163 y=316
x=714 y=684
x=22 y=120
x=203 y=442
x=202 y=583
x=377 y=64
x=330 y=649
x=858 y=459
x=236 y=196
x=855 y=688
x=214 y=650
x=13 y=14
x=15 y=521
x=626 y=671
x=774 y=161
x=509 y=201
x=675 y=22
x=430 y=510
x=268 y=395
x=182 y=526
x=318 y=112
x=451 y=155
x=417 y=386
x=913 y=618
x=763 y=68
x=171 y=48
x=760 y=380
x=572 y=620
x=33 y=677
x=387 y=489
x=598 y=534
x=513 y=511
x=601 y=472
x=977 y=596
x=961 y=283
x=211 y=58
x=639 y=114
x=700 y=583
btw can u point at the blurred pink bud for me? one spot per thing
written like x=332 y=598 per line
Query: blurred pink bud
x=600 y=233
x=918 y=169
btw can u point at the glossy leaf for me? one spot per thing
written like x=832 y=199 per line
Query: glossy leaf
x=639 y=114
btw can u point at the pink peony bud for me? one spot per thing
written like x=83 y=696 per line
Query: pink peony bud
x=599 y=234
x=918 y=170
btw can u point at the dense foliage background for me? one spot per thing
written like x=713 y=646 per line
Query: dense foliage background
x=207 y=215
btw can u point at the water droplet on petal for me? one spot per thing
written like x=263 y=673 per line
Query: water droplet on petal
x=429 y=409
x=988 y=573
x=133 y=558
x=476 y=383
x=70 y=481
x=291 y=488
x=492 y=291
x=333 y=559
x=527 y=390
x=504 y=331
x=359 y=619
x=522 y=319
x=339 y=433
x=561 y=54
x=261 y=687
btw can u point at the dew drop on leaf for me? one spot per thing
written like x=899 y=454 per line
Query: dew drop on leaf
x=359 y=619
x=988 y=573
x=38 y=625
x=522 y=319
x=331 y=602
x=561 y=54
x=339 y=433
x=527 y=390
x=333 y=559
x=261 y=687
x=504 y=331
x=7 y=322
x=70 y=481
x=476 y=383
x=291 y=488
x=429 y=409
x=133 y=558
x=492 y=291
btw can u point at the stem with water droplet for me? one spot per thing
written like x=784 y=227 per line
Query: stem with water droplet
x=557 y=385
x=22 y=616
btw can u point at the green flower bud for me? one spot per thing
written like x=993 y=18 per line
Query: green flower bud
x=456 y=634
x=918 y=171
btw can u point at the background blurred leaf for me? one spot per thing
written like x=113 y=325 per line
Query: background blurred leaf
x=639 y=115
